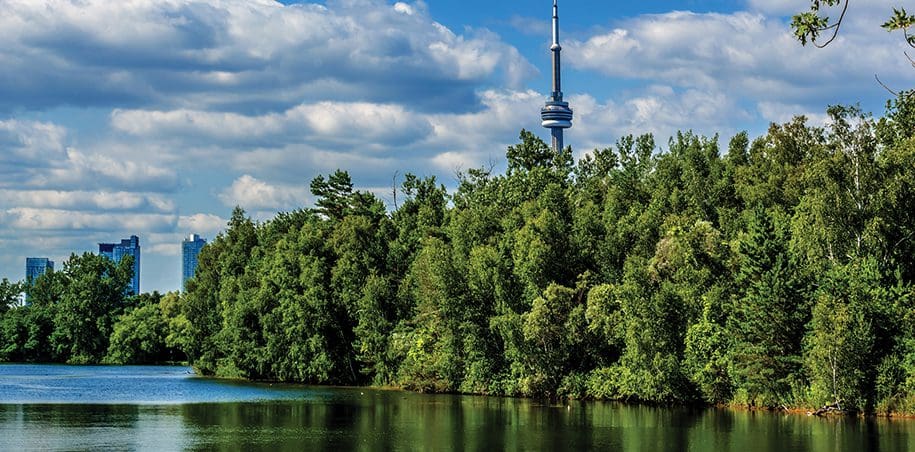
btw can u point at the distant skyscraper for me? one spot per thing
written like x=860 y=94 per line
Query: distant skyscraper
x=556 y=114
x=127 y=247
x=190 y=248
x=35 y=267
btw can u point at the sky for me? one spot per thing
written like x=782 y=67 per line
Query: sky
x=157 y=117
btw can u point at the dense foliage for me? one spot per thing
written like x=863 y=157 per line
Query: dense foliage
x=83 y=315
x=778 y=273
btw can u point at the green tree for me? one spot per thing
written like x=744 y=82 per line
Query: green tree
x=841 y=343
x=334 y=194
x=769 y=315
x=9 y=295
x=837 y=216
x=93 y=296
x=553 y=333
x=541 y=251
x=300 y=330
x=240 y=339
x=431 y=343
x=202 y=311
x=138 y=337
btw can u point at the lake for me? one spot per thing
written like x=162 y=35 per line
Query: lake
x=48 y=407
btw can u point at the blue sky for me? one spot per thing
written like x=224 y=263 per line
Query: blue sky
x=156 y=117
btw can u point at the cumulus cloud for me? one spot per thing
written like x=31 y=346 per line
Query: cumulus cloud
x=357 y=140
x=29 y=144
x=241 y=52
x=254 y=194
x=34 y=219
x=332 y=124
x=746 y=56
x=660 y=110
x=87 y=200
x=36 y=155
x=97 y=170
x=202 y=223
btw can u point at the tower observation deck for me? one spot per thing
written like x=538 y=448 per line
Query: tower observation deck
x=556 y=114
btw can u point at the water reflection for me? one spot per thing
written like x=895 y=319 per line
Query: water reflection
x=338 y=419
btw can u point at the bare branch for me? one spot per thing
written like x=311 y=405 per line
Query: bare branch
x=908 y=40
x=885 y=87
x=394 y=189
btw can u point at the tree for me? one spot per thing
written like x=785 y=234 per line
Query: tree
x=337 y=199
x=843 y=346
x=299 y=326
x=202 y=310
x=769 y=316
x=93 y=296
x=139 y=335
x=431 y=345
x=551 y=332
x=334 y=194
x=542 y=253
x=9 y=294
x=532 y=152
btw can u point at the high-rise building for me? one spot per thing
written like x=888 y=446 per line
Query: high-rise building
x=190 y=248
x=556 y=114
x=127 y=247
x=35 y=267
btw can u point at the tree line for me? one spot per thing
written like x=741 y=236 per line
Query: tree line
x=776 y=274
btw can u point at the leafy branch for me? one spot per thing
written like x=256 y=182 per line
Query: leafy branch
x=808 y=26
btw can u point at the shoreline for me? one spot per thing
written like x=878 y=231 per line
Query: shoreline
x=796 y=411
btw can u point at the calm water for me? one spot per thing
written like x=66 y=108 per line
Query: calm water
x=166 y=408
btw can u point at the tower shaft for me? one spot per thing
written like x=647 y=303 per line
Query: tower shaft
x=556 y=142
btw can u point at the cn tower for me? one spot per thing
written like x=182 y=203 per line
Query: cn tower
x=556 y=114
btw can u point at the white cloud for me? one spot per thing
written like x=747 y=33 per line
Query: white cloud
x=87 y=200
x=254 y=194
x=33 y=219
x=404 y=8
x=204 y=224
x=37 y=155
x=658 y=110
x=746 y=56
x=29 y=144
x=778 y=112
x=193 y=53
x=101 y=171
x=331 y=124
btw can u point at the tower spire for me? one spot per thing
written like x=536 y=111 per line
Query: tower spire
x=556 y=114
x=555 y=48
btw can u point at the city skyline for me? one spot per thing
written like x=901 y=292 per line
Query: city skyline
x=191 y=247
x=159 y=123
